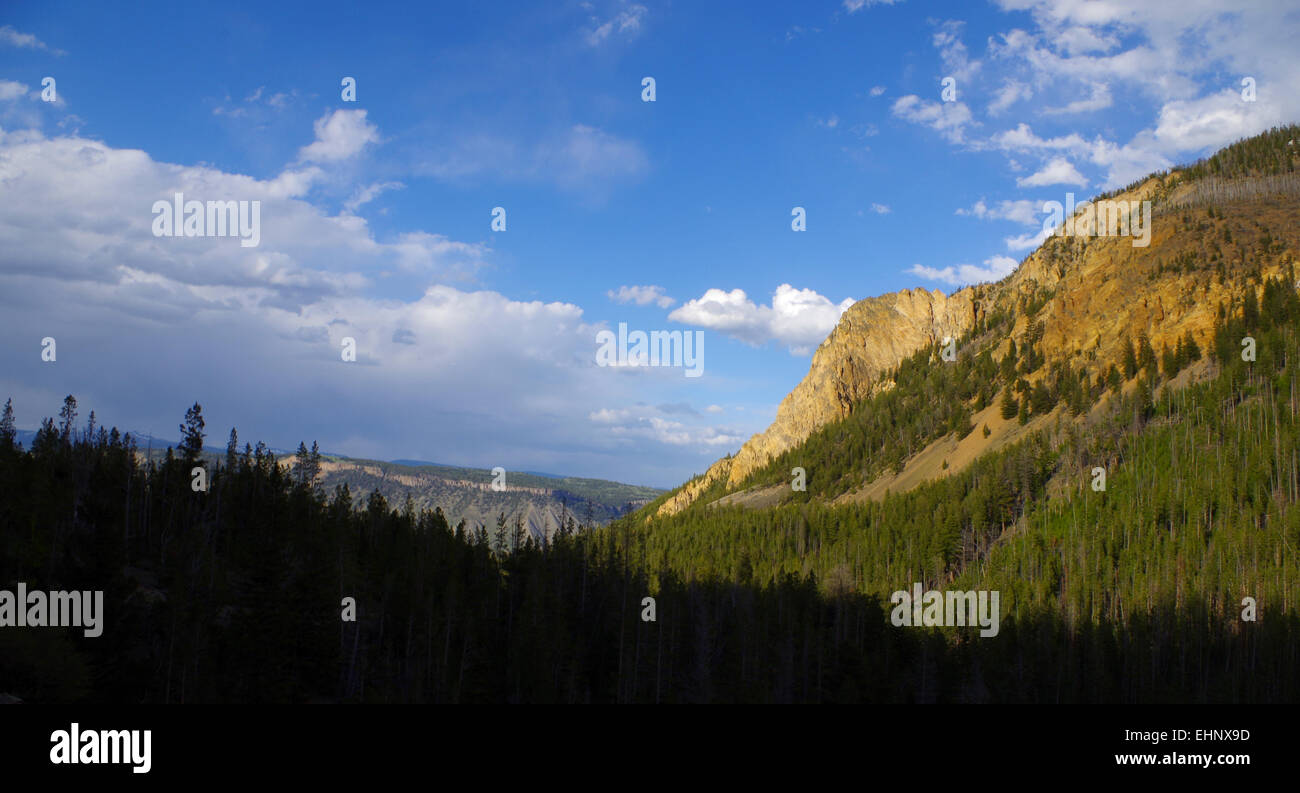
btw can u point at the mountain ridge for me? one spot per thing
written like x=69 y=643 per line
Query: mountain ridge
x=1075 y=298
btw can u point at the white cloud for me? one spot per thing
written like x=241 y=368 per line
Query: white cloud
x=627 y=22
x=641 y=295
x=1022 y=138
x=714 y=409
x=365 y=195
x=995 y=268
x=880 y=209
x=339 y=136
x=854 y=6
x=1080 y=40
x=1027 y=241
x=1183 y=59
x=1020 y=211
x=14 y=38
x=1012 y=91
x=676 y=433
x=797 y=318
x=877 y=90
x=1058 y=171
x=259 y=328
x=1100 y=99
x=647 y=422
x=11 y=90
x=953 y=54
x=947 y=118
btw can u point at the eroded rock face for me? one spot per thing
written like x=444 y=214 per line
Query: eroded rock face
x=872 y=337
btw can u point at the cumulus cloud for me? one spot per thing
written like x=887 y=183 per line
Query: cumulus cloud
x=797 y=318
x=146 y=325
x=648 y=423
x=339 y=136
x=1058 y=171
x=10 y=89
x=995 y=268
x=641 y=295
x=1171 y=57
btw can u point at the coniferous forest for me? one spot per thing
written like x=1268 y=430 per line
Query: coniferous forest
x=234 y=594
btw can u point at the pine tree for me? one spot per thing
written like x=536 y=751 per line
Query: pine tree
x=313 y=462
x=8 y=433
x=1009 y=362
x=1129 y=359
x=191 y=446
x=301 y=463
x=232 y=450
x=1168 y=361
x=499 y=542
x=1146 y=356
x=1008 y=408
x=68 y=418
x=1250 y=310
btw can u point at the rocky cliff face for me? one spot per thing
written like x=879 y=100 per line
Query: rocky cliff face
x=1098 y=290
x=872 y=337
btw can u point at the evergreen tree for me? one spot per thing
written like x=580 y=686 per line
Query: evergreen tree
x=232 y=450
x=8 y=432
x=191 y=445
x=1008 y=408
x=313 y=463
x=1009 y=362
x=1130 y=360
x=301 y=463
x=67 y=418
x=1146 y=356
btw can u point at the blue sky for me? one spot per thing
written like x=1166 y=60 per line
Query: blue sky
x=477 y=347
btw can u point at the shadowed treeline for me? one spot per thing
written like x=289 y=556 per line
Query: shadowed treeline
x=233 y=595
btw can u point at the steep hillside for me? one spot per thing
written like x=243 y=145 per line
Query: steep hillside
x=1070 y=313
